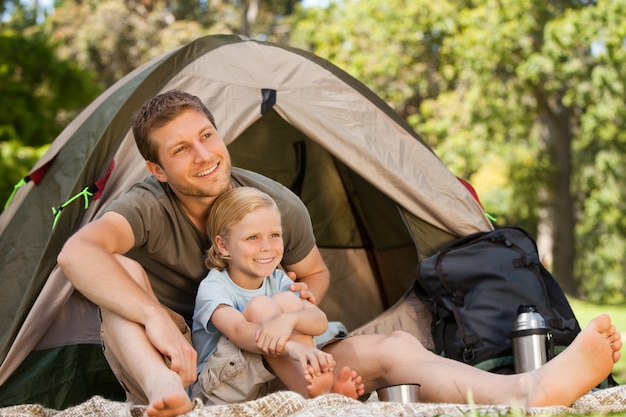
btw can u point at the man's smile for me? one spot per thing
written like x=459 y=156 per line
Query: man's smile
x=207 y=171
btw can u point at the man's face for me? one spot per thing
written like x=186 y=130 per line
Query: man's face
x=193 y=157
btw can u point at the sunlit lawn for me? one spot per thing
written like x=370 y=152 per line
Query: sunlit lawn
x=584 y=313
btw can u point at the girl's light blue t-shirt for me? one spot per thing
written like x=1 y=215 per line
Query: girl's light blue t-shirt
x=217 y=289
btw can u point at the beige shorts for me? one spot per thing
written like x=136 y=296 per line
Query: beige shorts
x=231 y=375
x=134 y=393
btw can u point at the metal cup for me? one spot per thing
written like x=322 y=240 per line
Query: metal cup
x=401 y=393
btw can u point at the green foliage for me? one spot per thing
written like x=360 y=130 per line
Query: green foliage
x=16 y=15
x=437 y=65
x=49 y=70
x=114 y=38
x=37 y=89
x=586 y=47
x=15 y=163
x=117 y=36
x=524 y=98
x=39 y=94
x=393 y=46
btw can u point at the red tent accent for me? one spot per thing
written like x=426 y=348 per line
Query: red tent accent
x=101 y=183
x=471 y=190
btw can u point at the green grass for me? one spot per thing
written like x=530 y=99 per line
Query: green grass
x=585 y=311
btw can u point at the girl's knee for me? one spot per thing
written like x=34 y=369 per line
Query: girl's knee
x=261 y=308
x=287 y=301
x=261 y=302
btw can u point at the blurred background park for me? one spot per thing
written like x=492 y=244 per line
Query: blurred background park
x=525 y=99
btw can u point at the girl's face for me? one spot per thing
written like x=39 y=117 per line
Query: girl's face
x=255 y=247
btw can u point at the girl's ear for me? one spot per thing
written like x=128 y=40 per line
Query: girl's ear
x=222 y=246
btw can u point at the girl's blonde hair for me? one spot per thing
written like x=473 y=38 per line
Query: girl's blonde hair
x=228 y=209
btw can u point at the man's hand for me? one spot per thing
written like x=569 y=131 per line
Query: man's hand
x=314 y=273
x=167 y=338
x=305 y=294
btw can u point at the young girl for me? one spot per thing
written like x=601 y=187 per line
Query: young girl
x=246 y=318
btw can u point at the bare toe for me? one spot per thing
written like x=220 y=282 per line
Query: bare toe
x=171 y=405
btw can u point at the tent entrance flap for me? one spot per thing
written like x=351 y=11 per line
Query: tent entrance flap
x=346 y=212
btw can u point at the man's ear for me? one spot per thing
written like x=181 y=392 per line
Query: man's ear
x=156 y=170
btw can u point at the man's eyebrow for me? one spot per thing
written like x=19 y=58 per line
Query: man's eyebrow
x=209 y=126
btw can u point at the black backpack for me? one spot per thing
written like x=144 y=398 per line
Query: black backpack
x=474 y=285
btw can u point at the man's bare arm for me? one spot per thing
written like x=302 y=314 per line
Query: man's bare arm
x=313 y=272
x=92 y=259
x=88 y=259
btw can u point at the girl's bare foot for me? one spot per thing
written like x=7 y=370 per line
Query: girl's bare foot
x=578 y=369
x=348 y=383
x=318 y=384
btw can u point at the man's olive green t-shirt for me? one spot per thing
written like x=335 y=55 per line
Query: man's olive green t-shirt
x=171 y=248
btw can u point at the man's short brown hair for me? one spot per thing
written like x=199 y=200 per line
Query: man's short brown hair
x=159 y=111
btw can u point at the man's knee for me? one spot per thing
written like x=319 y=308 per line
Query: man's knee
x=399 y=341
x=134 y=269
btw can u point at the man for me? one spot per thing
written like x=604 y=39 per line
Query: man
x=146 y=253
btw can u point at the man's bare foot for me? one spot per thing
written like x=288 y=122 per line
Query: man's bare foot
x=318 y=384
x=576 y=370
x=348 y=383
x=169 y=399
x=172 y=405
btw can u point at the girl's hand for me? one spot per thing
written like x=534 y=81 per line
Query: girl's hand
x=311 y=358
x=272 y=336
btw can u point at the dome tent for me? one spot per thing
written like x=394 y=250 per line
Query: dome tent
x=379 y=198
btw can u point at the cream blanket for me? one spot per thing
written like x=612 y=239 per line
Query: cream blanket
x=285 y=403
x=408 y=314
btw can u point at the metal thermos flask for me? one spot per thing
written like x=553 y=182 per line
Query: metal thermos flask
x=530 y=339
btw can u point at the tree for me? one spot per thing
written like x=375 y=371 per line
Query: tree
x=537 y=61
x=508 y=90
x=84 y=46
x=116 y=36
x=39 y=94
x=597 y=78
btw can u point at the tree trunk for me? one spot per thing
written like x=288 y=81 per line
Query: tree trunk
x=249 y=14
x=545 y=234
x=554 y=119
